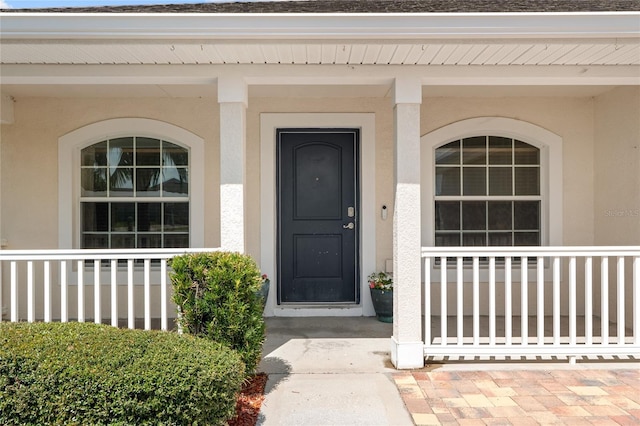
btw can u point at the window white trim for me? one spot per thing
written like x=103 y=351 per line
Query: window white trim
x=70 y=145
x=550 y=146
x=269 y=123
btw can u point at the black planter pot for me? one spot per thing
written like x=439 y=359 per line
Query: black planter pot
x=383 y=304
x=263 y=293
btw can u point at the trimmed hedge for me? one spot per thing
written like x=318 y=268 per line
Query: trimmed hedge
x=217 y=297
x=77 y=373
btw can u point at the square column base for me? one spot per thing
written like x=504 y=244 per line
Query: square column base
x=407 y=355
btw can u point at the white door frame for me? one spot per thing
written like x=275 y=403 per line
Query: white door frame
x=269 y=123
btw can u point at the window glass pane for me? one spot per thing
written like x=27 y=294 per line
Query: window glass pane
x=447 y=215
x=527 y=181
x=95 y=155
x=95 y=216
x=123 y=217
x=448 y=239
x=121 y=152
x=148 y=182
x=95 y=241
x=149 y=217
x=474 y=215
x=474 y=150
x=174 y=155
x=500 y=239
x=500 y=151
x=474 y=181
x=449 y=153
x=526 y=239
x=94 y=182
x=525 y=153
x=176 y=240
x=149 y=240
x=121 y=182
x=176 y=217
x=500 y=181
x=474 y=239
x=175 y=182
x=500 y=215
x=526 y=215
x=147 y=152
x=123 y=241
x=447 y=180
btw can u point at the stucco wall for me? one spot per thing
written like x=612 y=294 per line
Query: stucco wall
x=30 y=158
x=570 y=118
x=617 y=167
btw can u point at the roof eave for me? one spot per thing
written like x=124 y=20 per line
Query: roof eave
x=80 y=26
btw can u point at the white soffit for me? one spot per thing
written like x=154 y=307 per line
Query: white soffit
x=340 y=39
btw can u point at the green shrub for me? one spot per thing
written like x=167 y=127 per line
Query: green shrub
x=92 y=374
x=216 y=295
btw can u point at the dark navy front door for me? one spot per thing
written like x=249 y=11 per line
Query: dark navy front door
x=317 y=216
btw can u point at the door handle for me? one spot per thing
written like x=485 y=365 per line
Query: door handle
x=349 y=225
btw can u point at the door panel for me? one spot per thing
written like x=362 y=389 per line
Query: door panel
x=318 y=260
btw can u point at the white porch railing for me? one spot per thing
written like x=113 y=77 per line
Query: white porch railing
x=567 y=301
x=34 y=279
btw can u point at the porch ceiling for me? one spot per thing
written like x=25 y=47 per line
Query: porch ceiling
x=583 y=52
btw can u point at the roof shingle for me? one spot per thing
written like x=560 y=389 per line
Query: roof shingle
x=364 y=6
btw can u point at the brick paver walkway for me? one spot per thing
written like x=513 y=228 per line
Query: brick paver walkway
x=522 y=397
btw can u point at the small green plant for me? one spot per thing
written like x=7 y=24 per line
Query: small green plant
x=380 y=281
x=217 y=297
x=81 y=374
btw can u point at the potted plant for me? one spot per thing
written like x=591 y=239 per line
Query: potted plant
x=263 y=292
x=381 y=287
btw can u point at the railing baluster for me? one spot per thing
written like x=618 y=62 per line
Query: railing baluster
x=47 y=291
x=540 y=302
x=31 y=296
x=97 y=308
x=80 y=291
x=64 y=309
x=524 y=300
x=636 y=300
x=14 y=291
x=492 y=300
x=476 y=300
x=130 y=305
x=147 y=294
x=588 y=300
x=572 y=300
x=604 y=300
x=621 y=324
x=556 y=300
x=114 y=292
x=508 y=300
x=427 y=301
x=163 y=295
x=443 y=300
x=459 y=300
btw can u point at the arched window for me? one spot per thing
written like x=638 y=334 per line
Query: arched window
x=134 y=194
x=487 y=193
x=491 y=181
x=130 y=183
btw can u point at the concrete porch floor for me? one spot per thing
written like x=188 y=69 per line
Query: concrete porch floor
x=337 y=371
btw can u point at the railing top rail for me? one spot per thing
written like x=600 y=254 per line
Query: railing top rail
x=560 y=251
x=99 y=254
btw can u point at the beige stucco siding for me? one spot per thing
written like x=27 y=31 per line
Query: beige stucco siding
x=30 y=157
x=617 y=167
x=569 y=118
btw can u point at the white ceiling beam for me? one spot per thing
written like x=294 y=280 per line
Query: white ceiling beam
x=76 y=26
x=321 y=74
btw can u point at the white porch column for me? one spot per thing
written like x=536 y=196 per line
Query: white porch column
x=407 y=348
x=233 y=99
